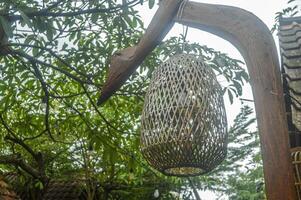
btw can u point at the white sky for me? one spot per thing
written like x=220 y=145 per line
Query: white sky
x=264 y=9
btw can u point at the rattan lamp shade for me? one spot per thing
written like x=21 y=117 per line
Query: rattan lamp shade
x=296 y=159
x=184 y=126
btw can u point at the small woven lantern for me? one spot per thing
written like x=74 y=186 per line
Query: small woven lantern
x=296 y=159
x=184 y=125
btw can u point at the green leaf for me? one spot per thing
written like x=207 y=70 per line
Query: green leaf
x=6 y=26
x=25 y=18
x=29 y=39
x=134 y=23
x=238 y=87
x=30 y=83
x=35 y=51
x=230 y=95
x=49 y=34
x=151 y=3
x=39 y=185
x=94 y=17
x=131 y=164
x=72 y=36
x=64 y=47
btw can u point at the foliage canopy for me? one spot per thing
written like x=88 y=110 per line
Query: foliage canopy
x=54 y=58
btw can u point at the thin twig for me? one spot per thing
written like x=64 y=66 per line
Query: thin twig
x=44 y=13
x=248 y=100
x=30 y=58
x=15 y=139
x=52 y=6
x=16 y=159
x=121 y=150
x=39 y=76
x=195 y=191
x=98 y=112
x=36 y=136
x=54 y=55
x=38 y=157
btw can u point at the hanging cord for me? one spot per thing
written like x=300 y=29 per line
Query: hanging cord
x=185 y=32
x=181 y=9
x=179 y=16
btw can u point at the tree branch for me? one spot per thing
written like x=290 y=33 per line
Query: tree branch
x=54 y=55
x=70 y=95
x=38 y=157
x=45 y=13
x=39 y=76
x=22 y=144
x=90 y=126
x=32 y=59
x=195 y=191
x=99 y=113
x=36 y=136
x=16 y=159
x=52 y=6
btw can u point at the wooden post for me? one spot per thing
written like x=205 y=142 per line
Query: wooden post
x=255 y=42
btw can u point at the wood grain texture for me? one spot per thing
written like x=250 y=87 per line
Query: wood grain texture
x=256 y=44
x=125 y=62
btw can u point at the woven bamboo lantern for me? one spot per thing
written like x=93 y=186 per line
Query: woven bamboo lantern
x=296 y=159
x=184 y=125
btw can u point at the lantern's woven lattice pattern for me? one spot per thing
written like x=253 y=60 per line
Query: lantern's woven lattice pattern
x=184 y=125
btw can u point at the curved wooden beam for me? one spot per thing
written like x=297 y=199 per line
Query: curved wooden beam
x=256 y=44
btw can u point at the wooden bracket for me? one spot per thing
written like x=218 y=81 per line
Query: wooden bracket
x=255 y=42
